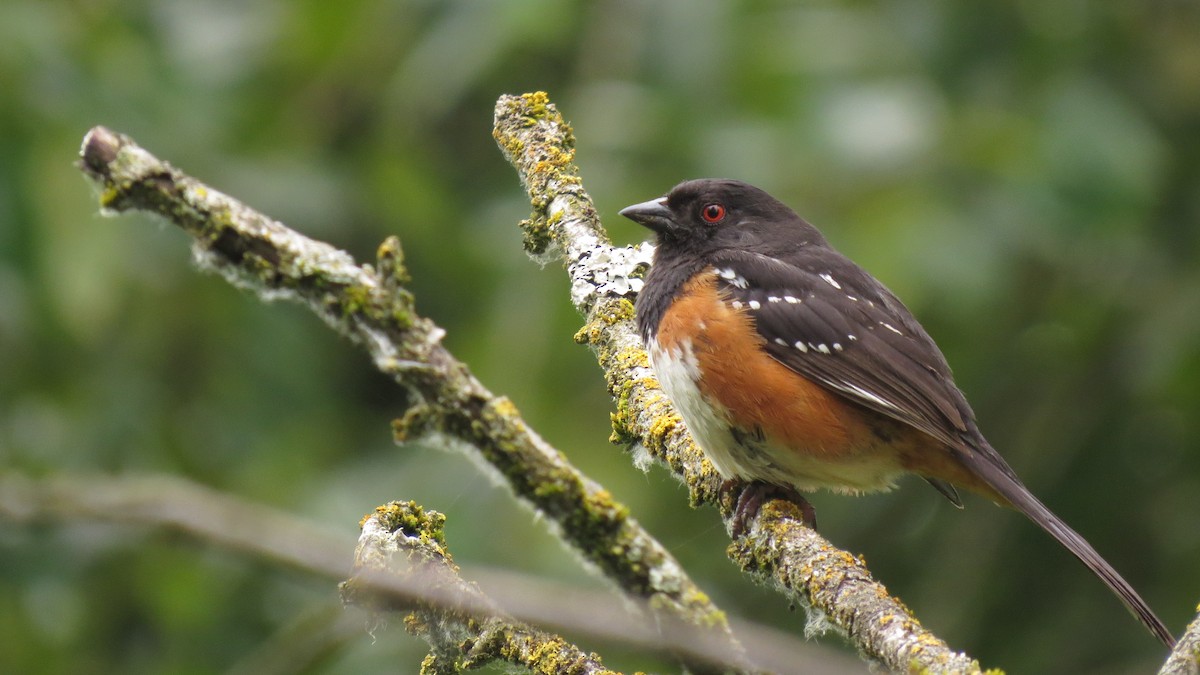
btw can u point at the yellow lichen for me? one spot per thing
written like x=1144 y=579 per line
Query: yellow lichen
x=505 y=407
x=108 y=196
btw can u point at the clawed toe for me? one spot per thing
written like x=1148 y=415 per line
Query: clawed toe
x=757 y=493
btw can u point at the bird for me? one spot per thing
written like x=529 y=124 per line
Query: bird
x=795 y=370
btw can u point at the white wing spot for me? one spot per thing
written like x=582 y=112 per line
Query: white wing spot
x=890 y=327
x=801 y=346
x=781 y=342
x=837 y=346
x=823 y=348
x=754 y=304
x=736 y=304
x=830 y=280
x=852 y=338
x=772 y=298
x=731 y=275
x=791 y=299
x=852 y=298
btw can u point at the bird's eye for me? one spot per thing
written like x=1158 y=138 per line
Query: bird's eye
x=713 y=213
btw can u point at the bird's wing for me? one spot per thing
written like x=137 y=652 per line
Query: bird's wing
x=843 y=329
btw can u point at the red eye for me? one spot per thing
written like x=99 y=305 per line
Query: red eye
x=713 y=213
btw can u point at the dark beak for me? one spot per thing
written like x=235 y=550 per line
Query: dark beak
x=653 y=214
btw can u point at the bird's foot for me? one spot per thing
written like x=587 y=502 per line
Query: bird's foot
x=757 y=493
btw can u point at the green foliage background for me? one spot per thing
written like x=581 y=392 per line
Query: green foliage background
x=1024 y=174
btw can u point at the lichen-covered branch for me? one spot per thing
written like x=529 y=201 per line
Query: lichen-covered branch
x=778 y=549
x=1185 y=657
x=403 y=540
x=371 y=306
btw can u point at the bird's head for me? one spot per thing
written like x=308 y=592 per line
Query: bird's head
x=712 y=214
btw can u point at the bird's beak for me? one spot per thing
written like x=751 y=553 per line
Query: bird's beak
x=653 y=214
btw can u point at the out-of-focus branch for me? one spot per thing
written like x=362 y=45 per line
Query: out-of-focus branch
x=1185 y=658
x=777 y=548
x=372 y=307
x=268 y=534
x=421 y=578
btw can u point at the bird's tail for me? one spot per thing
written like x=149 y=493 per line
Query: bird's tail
x=989 y=466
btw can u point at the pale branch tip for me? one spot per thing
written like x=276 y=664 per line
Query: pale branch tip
x=100 y=147
x=777 y=550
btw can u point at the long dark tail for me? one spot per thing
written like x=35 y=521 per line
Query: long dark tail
x=988 y=465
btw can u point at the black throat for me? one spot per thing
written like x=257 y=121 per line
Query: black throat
x=671 y=269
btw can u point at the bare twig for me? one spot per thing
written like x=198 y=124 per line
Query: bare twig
x=778 y=549
x=372 y=307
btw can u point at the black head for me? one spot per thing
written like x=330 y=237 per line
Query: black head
x=712 y=214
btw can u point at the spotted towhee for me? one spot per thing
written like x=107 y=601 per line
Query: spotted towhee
x=795 y=369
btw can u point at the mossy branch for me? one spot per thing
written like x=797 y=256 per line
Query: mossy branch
x=403 y=540
x=778 y=548
x=371 y=307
